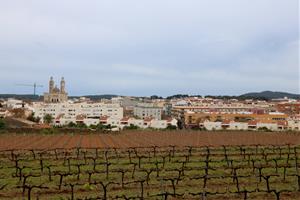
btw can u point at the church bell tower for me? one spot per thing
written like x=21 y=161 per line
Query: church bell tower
x=51 y=84
x=62 y=85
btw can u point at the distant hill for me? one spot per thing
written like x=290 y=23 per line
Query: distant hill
x=21 y=96
x=96 y=97
x=265 y=95
x=270 y=95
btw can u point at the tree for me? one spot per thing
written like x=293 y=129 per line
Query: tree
x=81 y=125
x=155 y=97
x=263 y=129
x=171 y=127
x=180 y=124
x=100 y=126
x=48 y=118
x=71 y=125
x=2 y=124
x=131 y=127
x=33 y=118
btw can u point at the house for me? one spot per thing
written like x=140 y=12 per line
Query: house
x=158 y=124
x=90 y=121
x=282 y=125
x=136 y=122
x=267 y=124
x=80 y=119
x=238 y=125
x=172 y=122
x=252 y=125
x=58 y=120
x=225 y=124
x=208 y=125
x=3 y=113
x=147 y=122
x=104 y=120
x=293 y=125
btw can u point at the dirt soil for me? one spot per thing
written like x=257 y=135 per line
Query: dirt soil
x=145 y=139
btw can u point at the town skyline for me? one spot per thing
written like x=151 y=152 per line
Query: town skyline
x=60 y=88
x=40 y=90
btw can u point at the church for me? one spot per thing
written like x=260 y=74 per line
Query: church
x=56 y=95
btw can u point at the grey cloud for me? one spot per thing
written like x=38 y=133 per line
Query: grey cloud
x=144 y=47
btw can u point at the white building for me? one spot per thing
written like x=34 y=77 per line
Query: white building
x=146 y=110
x=3 y=113
x=251 y=125
x=12 y=103
x=67 y=112
x=212 y=125
x=268 y=125
x=238 y=126
x=294 y=125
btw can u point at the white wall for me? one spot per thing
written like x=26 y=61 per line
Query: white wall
x=212 y=125
x=159 y=124
x=71 y=110
x=294 y=125
x=270 y=126
x=238 y=126
x=145 y=111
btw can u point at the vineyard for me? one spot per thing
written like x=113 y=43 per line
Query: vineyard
x=170 y=166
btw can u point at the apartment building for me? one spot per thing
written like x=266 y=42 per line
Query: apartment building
x=290 y=108
x=147 y=110
x=192 y=118
x=251 y=125
x=69 y=111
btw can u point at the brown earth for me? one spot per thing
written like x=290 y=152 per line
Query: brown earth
x=146 y=139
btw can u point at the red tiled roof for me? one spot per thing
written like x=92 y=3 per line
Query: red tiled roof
x=125 y=119
x=225 y=122
x=148 y=119
x=282 y=123
x=104 y=118
x=80 y=117
x=169 y=120
x=59 y=116
x=252 y=123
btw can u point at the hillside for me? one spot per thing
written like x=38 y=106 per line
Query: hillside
x=271 y=95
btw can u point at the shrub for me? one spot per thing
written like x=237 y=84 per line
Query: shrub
x=171 y=127
x=2 y=124
x=48 y=131
x=48 y=118
x=71 y=125
x=131 y=127
x=33 y=118
x=263 y=129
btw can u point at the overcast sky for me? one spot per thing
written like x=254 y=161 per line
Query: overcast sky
x=145 y=47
